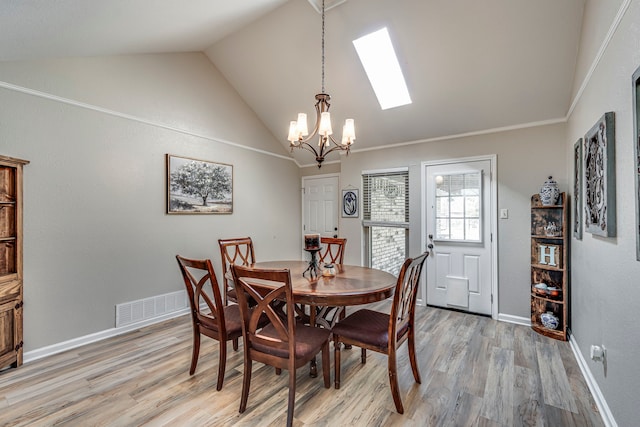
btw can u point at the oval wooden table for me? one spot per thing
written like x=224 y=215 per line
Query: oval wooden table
x=352 y=285
x=328 y=295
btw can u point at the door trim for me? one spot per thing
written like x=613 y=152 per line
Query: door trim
x=493 y=189
x=303 y=186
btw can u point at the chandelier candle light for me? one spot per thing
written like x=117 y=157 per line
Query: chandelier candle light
x=299 y=132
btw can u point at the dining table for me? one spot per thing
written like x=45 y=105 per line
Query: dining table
x=327 y=295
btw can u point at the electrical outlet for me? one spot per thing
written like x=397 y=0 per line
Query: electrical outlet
x=598 y=353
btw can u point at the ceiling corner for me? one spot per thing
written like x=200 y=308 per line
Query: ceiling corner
x=328 y=4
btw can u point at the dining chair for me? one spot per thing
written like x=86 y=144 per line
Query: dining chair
x=234 y=251
x=282 y=343
x=385 y=333
x=218 y=321
x=333 y=251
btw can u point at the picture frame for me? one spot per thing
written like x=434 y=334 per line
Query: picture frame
x=350 y=203
x=635 y=80
x=577 y=189
x=599 y=178
x=196 y=186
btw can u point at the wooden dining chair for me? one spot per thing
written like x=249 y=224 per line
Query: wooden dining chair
x=234 y=251
x=217 y=321
x=384 y=333
x=333 y=251
x=282 y=343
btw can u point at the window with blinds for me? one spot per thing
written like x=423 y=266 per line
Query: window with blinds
x=386 y=218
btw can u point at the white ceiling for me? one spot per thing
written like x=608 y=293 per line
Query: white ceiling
x=470 y=65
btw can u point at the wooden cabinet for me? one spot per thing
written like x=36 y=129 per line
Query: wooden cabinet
x=550 y=237
x=11 y=261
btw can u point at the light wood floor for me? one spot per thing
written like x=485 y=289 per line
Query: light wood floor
x=475 y=372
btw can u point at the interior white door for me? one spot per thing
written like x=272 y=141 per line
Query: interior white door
x=458 y=234
x=320 y=205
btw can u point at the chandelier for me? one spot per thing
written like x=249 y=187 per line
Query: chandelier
x=299 y=136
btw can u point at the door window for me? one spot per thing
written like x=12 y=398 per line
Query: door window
x=458 y=207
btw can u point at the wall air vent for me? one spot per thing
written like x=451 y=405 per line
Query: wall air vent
x=144 y=309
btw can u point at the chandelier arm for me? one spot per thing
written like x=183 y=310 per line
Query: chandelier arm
x=309 y=147
x=321 y=105
x=335 y=147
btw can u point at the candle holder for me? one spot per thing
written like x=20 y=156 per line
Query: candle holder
x=312 y=269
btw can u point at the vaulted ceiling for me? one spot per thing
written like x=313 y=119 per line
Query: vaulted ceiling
x=470 y=65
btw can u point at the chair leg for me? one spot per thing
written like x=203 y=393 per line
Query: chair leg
x=326 y=365
x=336 y=362
x=246 y=383
x=278 y=371
x=235 y=344
x=222 y=362
x=413 y=359
x=196 y=350
x=343 y=314
x=363 y=355
x=393 y=382
x=292 y=396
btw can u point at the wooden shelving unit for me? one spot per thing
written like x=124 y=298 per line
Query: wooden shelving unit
x=550 y=265
x=11 y=261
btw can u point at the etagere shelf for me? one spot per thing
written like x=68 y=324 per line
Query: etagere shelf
x=550 y=267
x=11 y=261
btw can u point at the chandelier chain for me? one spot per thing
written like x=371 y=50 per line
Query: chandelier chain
x=323 y=46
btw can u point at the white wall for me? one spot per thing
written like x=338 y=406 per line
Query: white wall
x=96 y=232
x=605 y=272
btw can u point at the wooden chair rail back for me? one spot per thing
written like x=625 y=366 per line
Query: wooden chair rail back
x=333 y=251
x=196 y=288
x=404 y=299
x=237 y=251
x=268 y=301
x=234 y=251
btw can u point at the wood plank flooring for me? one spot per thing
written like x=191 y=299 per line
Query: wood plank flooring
x=475 y=372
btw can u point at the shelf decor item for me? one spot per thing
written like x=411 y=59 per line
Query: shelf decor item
x=549 y=192
x=549 y=320
x=550 y=267
x=600 y=178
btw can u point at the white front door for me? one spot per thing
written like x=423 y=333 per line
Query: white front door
x=458 y=225
x=320 y=205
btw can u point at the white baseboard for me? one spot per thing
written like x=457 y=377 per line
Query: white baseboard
x=601 y=403
x=525 y=321
x=50 y=350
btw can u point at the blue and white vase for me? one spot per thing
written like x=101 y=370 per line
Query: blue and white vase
x=549 y=320
x=549 y=192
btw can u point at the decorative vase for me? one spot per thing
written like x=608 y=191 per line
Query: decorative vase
x=549 y=192
x=549 y=320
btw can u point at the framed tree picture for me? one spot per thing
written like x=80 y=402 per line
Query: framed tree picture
x=599 y=196
x=198 y=186
x=577 y=189
x=350 y=203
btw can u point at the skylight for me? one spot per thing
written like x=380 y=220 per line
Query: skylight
x=381 y=65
